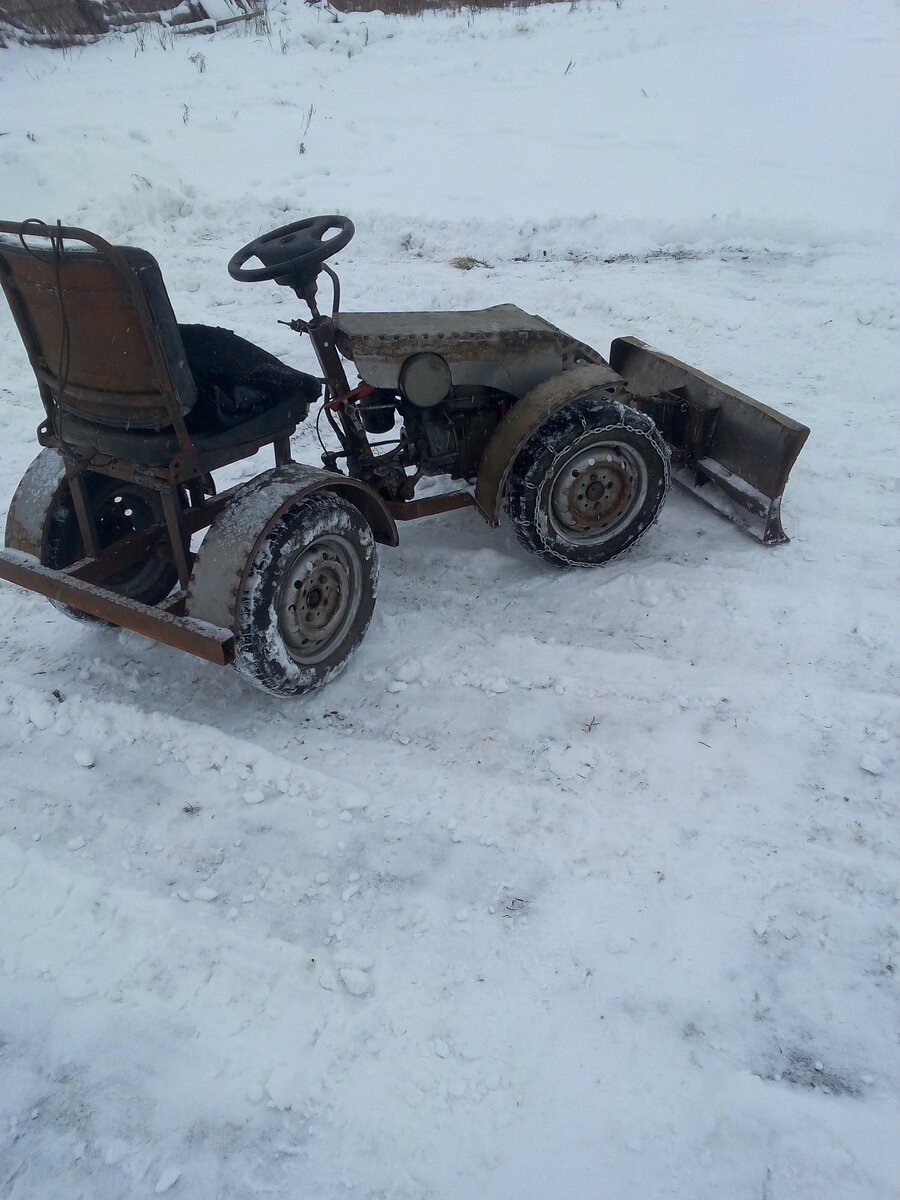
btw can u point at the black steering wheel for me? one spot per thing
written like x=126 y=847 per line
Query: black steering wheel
x=293 y=254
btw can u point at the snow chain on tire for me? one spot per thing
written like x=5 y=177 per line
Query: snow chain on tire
x=631 y=456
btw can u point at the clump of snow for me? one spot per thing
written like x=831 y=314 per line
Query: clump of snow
x=41 y=713
x=85 y=757
x=167 y=1181
x=357 y=983
x=407 y=670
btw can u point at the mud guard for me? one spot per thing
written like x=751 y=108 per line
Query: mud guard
x=36 y=496
x=524 y=418
x=716 y=434
x=236 y=532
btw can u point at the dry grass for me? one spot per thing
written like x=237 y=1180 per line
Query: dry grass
x=465 y=262
x=65 y=23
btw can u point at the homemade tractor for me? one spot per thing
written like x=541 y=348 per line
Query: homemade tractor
x=139 y=412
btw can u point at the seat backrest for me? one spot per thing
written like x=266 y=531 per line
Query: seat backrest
x=98 y=326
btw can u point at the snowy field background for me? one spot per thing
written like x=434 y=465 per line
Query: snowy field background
x=617 y=866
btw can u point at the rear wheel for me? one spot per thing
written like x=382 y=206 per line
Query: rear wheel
x=588 y=482
x=42 y=522
x=119 y=510
x=307 y=596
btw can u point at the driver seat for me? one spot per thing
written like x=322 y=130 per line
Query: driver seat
x=120 y=378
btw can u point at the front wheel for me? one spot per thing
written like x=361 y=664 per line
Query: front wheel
x=307 y=597
x=588 y=482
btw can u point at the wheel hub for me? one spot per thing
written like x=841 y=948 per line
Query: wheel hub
x=318 y=599
x=595 y=492
x=126 y=510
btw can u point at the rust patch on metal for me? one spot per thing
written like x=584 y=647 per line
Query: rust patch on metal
x=428 y=506
x=206 y=641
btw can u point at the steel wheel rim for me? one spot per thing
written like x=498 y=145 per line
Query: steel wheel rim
x=123 y=512
x=318 y=599
x=597 y=491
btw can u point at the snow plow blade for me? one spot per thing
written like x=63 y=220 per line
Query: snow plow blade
x=723 y=443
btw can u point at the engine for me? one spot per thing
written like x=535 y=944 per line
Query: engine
x=446 y=438
x=451 y=436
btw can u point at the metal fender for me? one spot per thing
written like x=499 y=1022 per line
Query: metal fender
x=36 y=496
x=237 y=531
x=523 y=419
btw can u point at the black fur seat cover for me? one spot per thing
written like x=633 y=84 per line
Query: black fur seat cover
x=237 y=381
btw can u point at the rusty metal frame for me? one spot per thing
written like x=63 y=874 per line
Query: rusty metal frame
x=196 y=637
x=429 y=506
x=81 y=585
x=172 y=538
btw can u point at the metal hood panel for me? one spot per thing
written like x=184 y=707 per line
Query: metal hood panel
x=502 y=347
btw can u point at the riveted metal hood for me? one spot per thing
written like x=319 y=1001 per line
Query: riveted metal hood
x=502 y=347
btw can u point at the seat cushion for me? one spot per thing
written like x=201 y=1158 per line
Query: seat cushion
x=244 y=394
x=237 y=380
x=158 y=449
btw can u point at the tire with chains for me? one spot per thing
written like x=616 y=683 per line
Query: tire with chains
x=588 y=483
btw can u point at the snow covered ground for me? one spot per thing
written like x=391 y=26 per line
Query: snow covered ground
x=602 y=901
